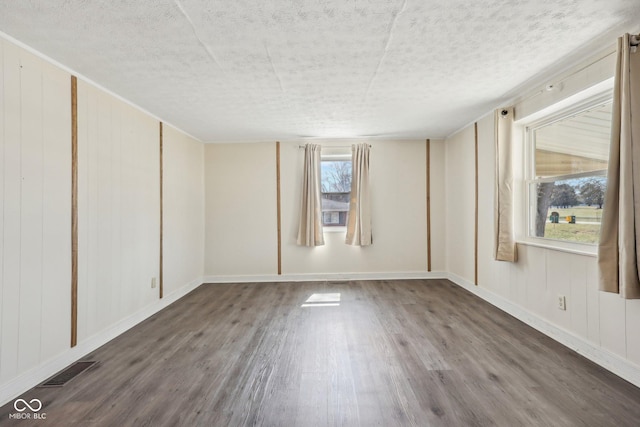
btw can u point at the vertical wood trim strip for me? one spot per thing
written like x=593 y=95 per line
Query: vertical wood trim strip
x=160 y=278
x=74 y=211
x=428 y=205
x=475 y=131
x=278 y=207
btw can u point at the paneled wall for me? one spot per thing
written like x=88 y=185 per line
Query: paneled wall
x=440 y=218
x=540 y=275
x=183 y=209
x=118 y=210
x=398 y=205
x=118 y=218
x=241 y=212
x=460 y=203
x=241 y=225
x=35 y=211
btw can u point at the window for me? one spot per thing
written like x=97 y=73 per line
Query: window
x=568 y=157
x=336 y=190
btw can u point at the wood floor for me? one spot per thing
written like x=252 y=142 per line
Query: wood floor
x=392 y=353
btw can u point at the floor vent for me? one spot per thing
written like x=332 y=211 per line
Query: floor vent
x=68 y=374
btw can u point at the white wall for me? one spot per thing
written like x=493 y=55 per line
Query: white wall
x=118 y=218
x=440 y=217
x=183 y=209
x=460 y=203
x=118 y=210
x=35 y=211
x=241 y=225
x=398 y=197
x=604 y=320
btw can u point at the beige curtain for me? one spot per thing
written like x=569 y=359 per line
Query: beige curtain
x=505 y=244
x=359 y=223
x=618 y=250
x=310 y=229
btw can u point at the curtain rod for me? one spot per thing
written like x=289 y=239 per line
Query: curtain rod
x=334 y=146
x=634 y=40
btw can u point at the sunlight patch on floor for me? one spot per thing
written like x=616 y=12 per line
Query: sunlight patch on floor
x=323 y=300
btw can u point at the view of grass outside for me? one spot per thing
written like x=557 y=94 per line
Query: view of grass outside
x=564 y=199
x=585 y=230
x=568 y=182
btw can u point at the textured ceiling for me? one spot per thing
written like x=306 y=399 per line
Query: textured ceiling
x=248 y=70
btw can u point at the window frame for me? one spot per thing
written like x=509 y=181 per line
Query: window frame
x=343 y=156
x=530 y=180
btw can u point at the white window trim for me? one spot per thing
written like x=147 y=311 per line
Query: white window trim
x=580 y=105
x=334 y=229
x=329 y=157
x=561 y=246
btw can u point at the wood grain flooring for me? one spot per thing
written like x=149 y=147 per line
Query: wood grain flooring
x=392 y=353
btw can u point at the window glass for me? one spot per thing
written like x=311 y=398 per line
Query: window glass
x=568 y=182
x=574 y=145
x=336 y=191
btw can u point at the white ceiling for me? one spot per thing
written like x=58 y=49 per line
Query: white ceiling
x=257 y=70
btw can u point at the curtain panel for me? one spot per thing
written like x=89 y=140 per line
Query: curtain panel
x=359 y=222
x=310 y=228
x=505 y=244
x=618 y=254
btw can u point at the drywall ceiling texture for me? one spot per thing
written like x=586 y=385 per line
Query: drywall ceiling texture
x=271 y=69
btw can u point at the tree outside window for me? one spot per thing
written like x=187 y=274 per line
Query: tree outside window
x=336 y=191
x=568 y=180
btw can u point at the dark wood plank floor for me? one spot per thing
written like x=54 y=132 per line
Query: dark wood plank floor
x=392 y=353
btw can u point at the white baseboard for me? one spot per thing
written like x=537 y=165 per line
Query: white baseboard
x=317 y=277
x=24 y=382
x=608 y=360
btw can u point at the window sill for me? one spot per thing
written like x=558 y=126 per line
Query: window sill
x=560 y=246
x=328 y=229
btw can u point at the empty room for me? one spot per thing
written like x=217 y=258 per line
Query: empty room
x=319 y=213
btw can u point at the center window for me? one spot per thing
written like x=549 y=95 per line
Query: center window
x=336 y=190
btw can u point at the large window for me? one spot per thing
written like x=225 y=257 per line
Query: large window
x=568 y=156
x=336 y=190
